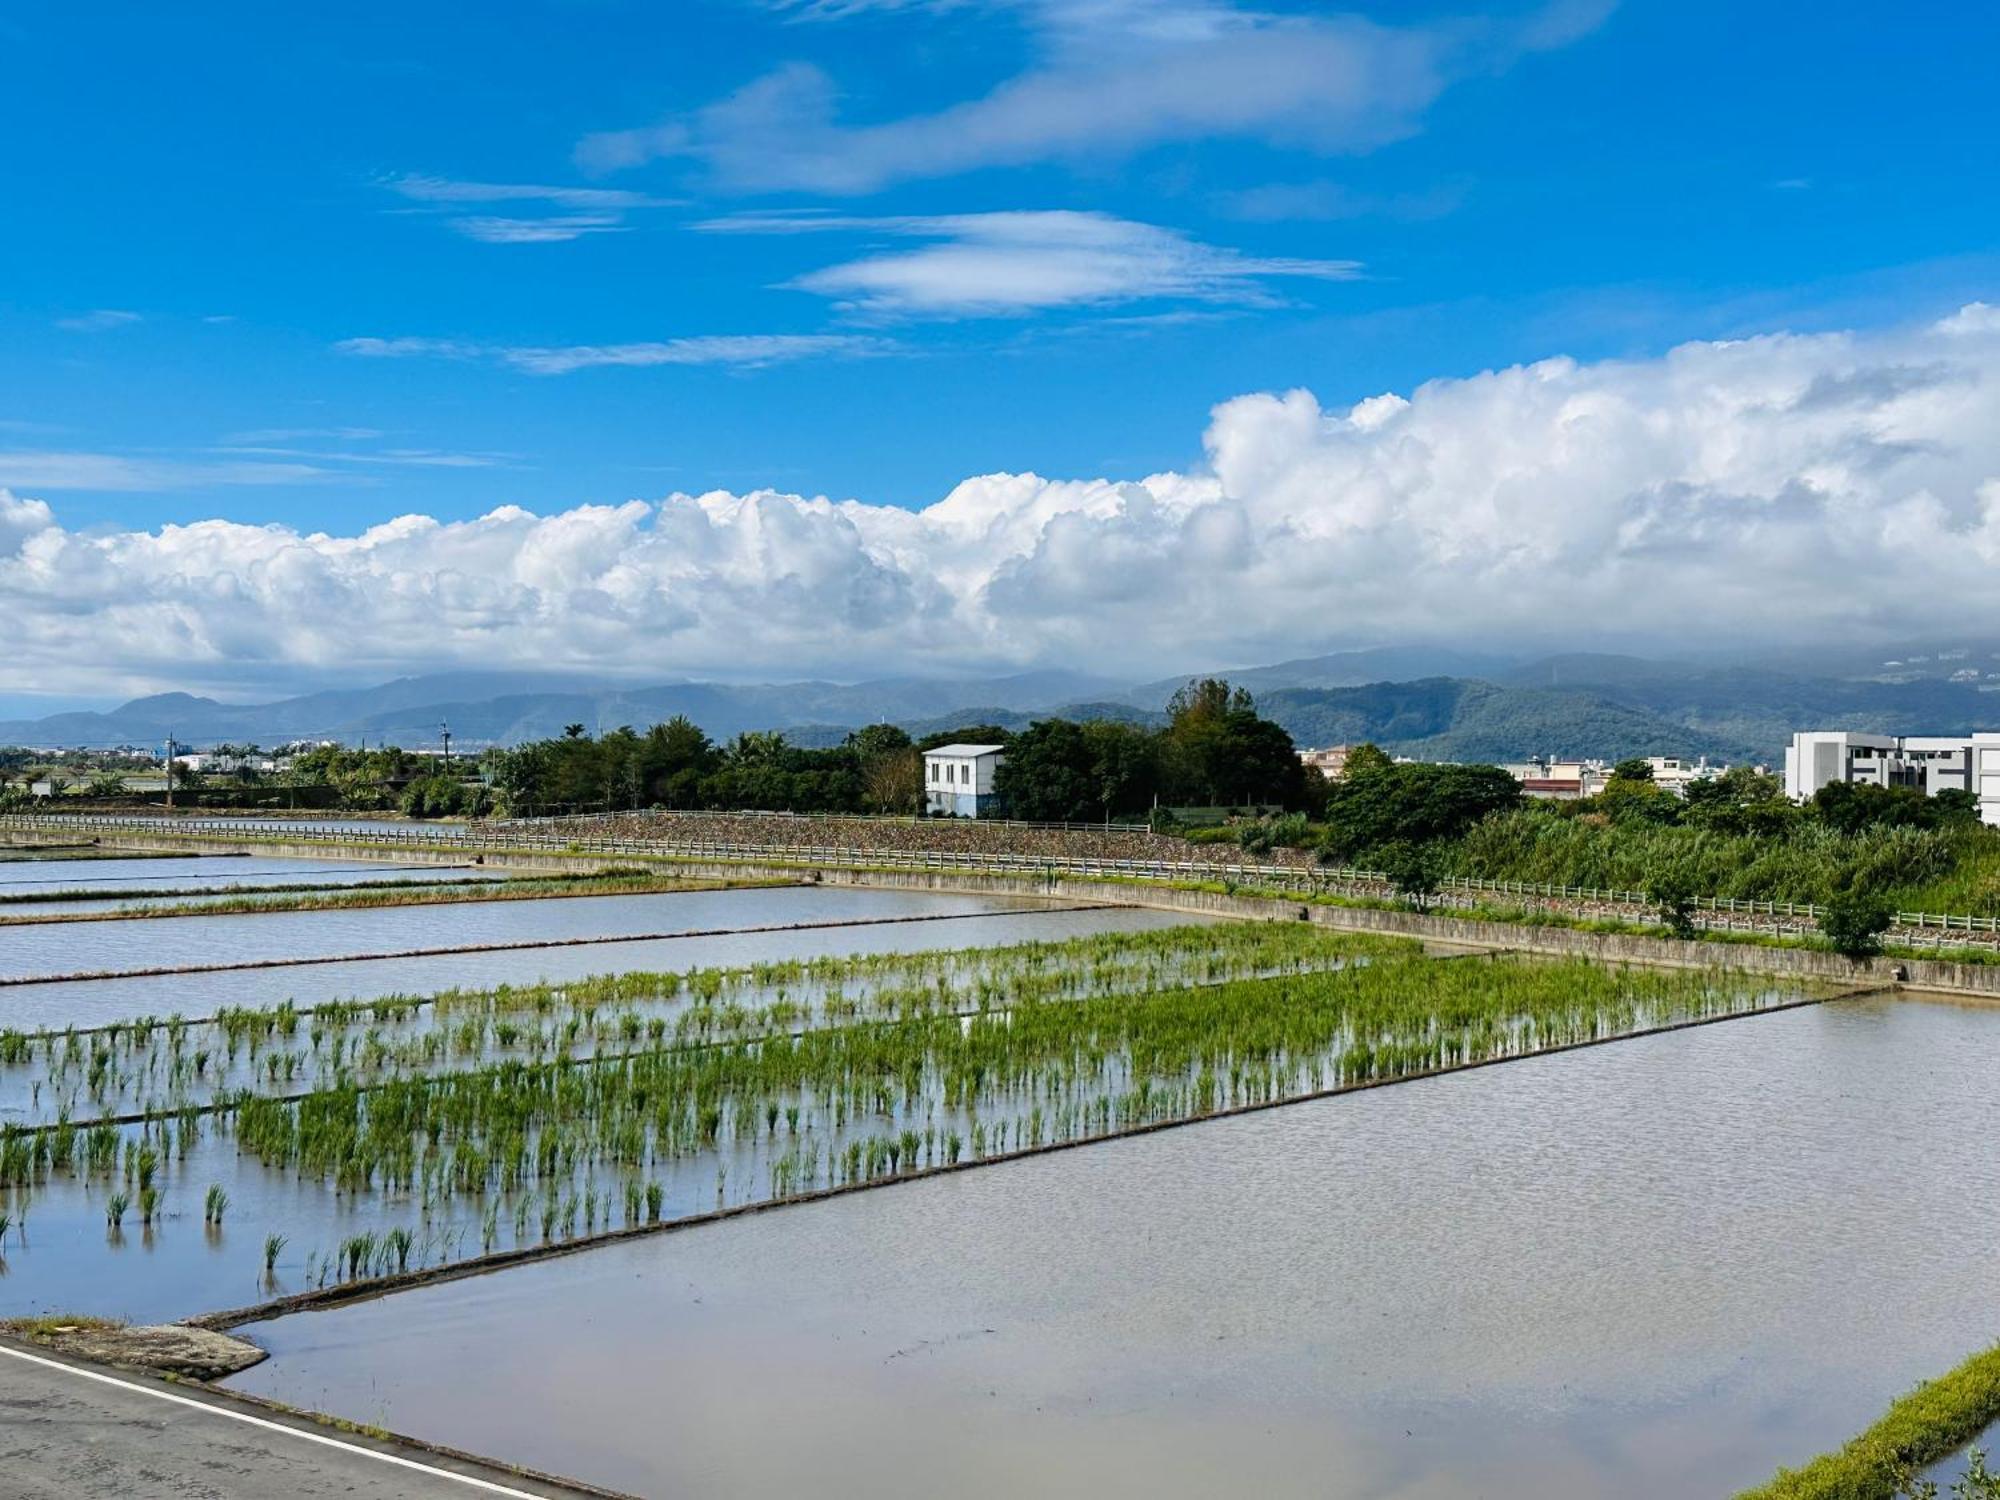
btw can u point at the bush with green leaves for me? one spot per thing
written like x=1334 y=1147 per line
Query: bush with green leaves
x=1853 y=923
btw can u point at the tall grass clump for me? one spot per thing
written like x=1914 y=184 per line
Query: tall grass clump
x=1932 y=1422
x=1808 y=862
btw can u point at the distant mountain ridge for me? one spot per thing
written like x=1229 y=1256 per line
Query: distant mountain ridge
x=1426 y=702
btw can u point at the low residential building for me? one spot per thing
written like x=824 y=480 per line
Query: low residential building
x=958 y=780
x=1926 y=762
x=1555 y=780
x=1676 y=772
x=1330 y=762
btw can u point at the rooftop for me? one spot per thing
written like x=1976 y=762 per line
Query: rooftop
x=966 y=750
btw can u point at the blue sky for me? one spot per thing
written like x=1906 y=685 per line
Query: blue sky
x=228 y=175
x=317 y=269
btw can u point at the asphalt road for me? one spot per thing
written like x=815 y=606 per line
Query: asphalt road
x=74 y=1432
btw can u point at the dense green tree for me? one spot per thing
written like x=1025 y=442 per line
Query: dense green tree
x=1673 y=895
x=1217 y=751
x=1412 y=803
x=1850 y=806
x=1853 y=923
x=1366 y=757
x=1414 y=869
x=1047 y=775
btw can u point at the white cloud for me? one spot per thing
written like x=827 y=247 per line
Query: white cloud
x=1010 y=263
x=496 y=231
x=743 y=351
x=1113 y=77
x=590 y=210
x=99 y=320
x=304 y=434
x=423 y=458
x=1322 y=200
x=423 y=189
x=1775 y=489
x=47 y=469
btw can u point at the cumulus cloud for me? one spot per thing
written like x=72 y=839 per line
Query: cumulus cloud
x=1112 y=77
x=744 y=351
x=1778 y=489
x=1011 y=263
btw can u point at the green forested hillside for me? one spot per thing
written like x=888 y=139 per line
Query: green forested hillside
x=1450 y=718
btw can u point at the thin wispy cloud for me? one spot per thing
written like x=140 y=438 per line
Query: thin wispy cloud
x=422 y=458
x=303 y=434
x=739 y=351
x=100 y=320
x=1322 y=201
x=587 y=210
x=1010 y=264
x=1112 y=78
x=48 y=469
x=500 y=231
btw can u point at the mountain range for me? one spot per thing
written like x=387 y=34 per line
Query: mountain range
x=1434 y=704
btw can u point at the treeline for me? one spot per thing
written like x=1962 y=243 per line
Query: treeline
x=1215 y=750
x=1736 y=835
x=676 y=765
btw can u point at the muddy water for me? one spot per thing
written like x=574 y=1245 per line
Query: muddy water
x=1657 y=1269
x=973 y=921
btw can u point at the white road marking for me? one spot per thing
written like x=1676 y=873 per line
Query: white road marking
x=241 y=1416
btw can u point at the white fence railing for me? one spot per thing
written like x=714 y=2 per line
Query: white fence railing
x=1728 y=913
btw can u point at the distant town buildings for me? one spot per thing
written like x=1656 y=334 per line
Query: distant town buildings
x=1560 y=780
x=213 y=763
x=1554 y=780
x=1330 y=762
x=1928 y=763
x=958 y=780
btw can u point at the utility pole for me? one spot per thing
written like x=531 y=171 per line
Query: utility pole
x=171 y=747
x=444 y=733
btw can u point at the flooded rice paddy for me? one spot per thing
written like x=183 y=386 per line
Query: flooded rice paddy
x=1656 y=1269
x=285 y=937
x=64 y=1245
x=962 y=920
x=134 y=878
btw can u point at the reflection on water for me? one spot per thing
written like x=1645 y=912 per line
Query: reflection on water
x=1656 y=1269
x=990 y=921
x=135 y=877
x=165 y=942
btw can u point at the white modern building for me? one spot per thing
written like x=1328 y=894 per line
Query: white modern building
x=958 y=780
x=1929 y=763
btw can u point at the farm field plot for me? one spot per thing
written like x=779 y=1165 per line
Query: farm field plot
x=134 y=879
x=982 y=920
x=331 y=1144
x=278 y=937
x=1655 y=1269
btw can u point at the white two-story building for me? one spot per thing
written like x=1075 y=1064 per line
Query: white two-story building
x=1929 y=763
x=958 y=780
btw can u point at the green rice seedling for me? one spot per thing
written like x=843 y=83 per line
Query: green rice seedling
x=214 y=1204
x=114 y=1210
x=274 y=1245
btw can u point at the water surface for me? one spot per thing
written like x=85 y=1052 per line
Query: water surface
x=978 y=921
x=1654 y=1269
x=167 y=942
